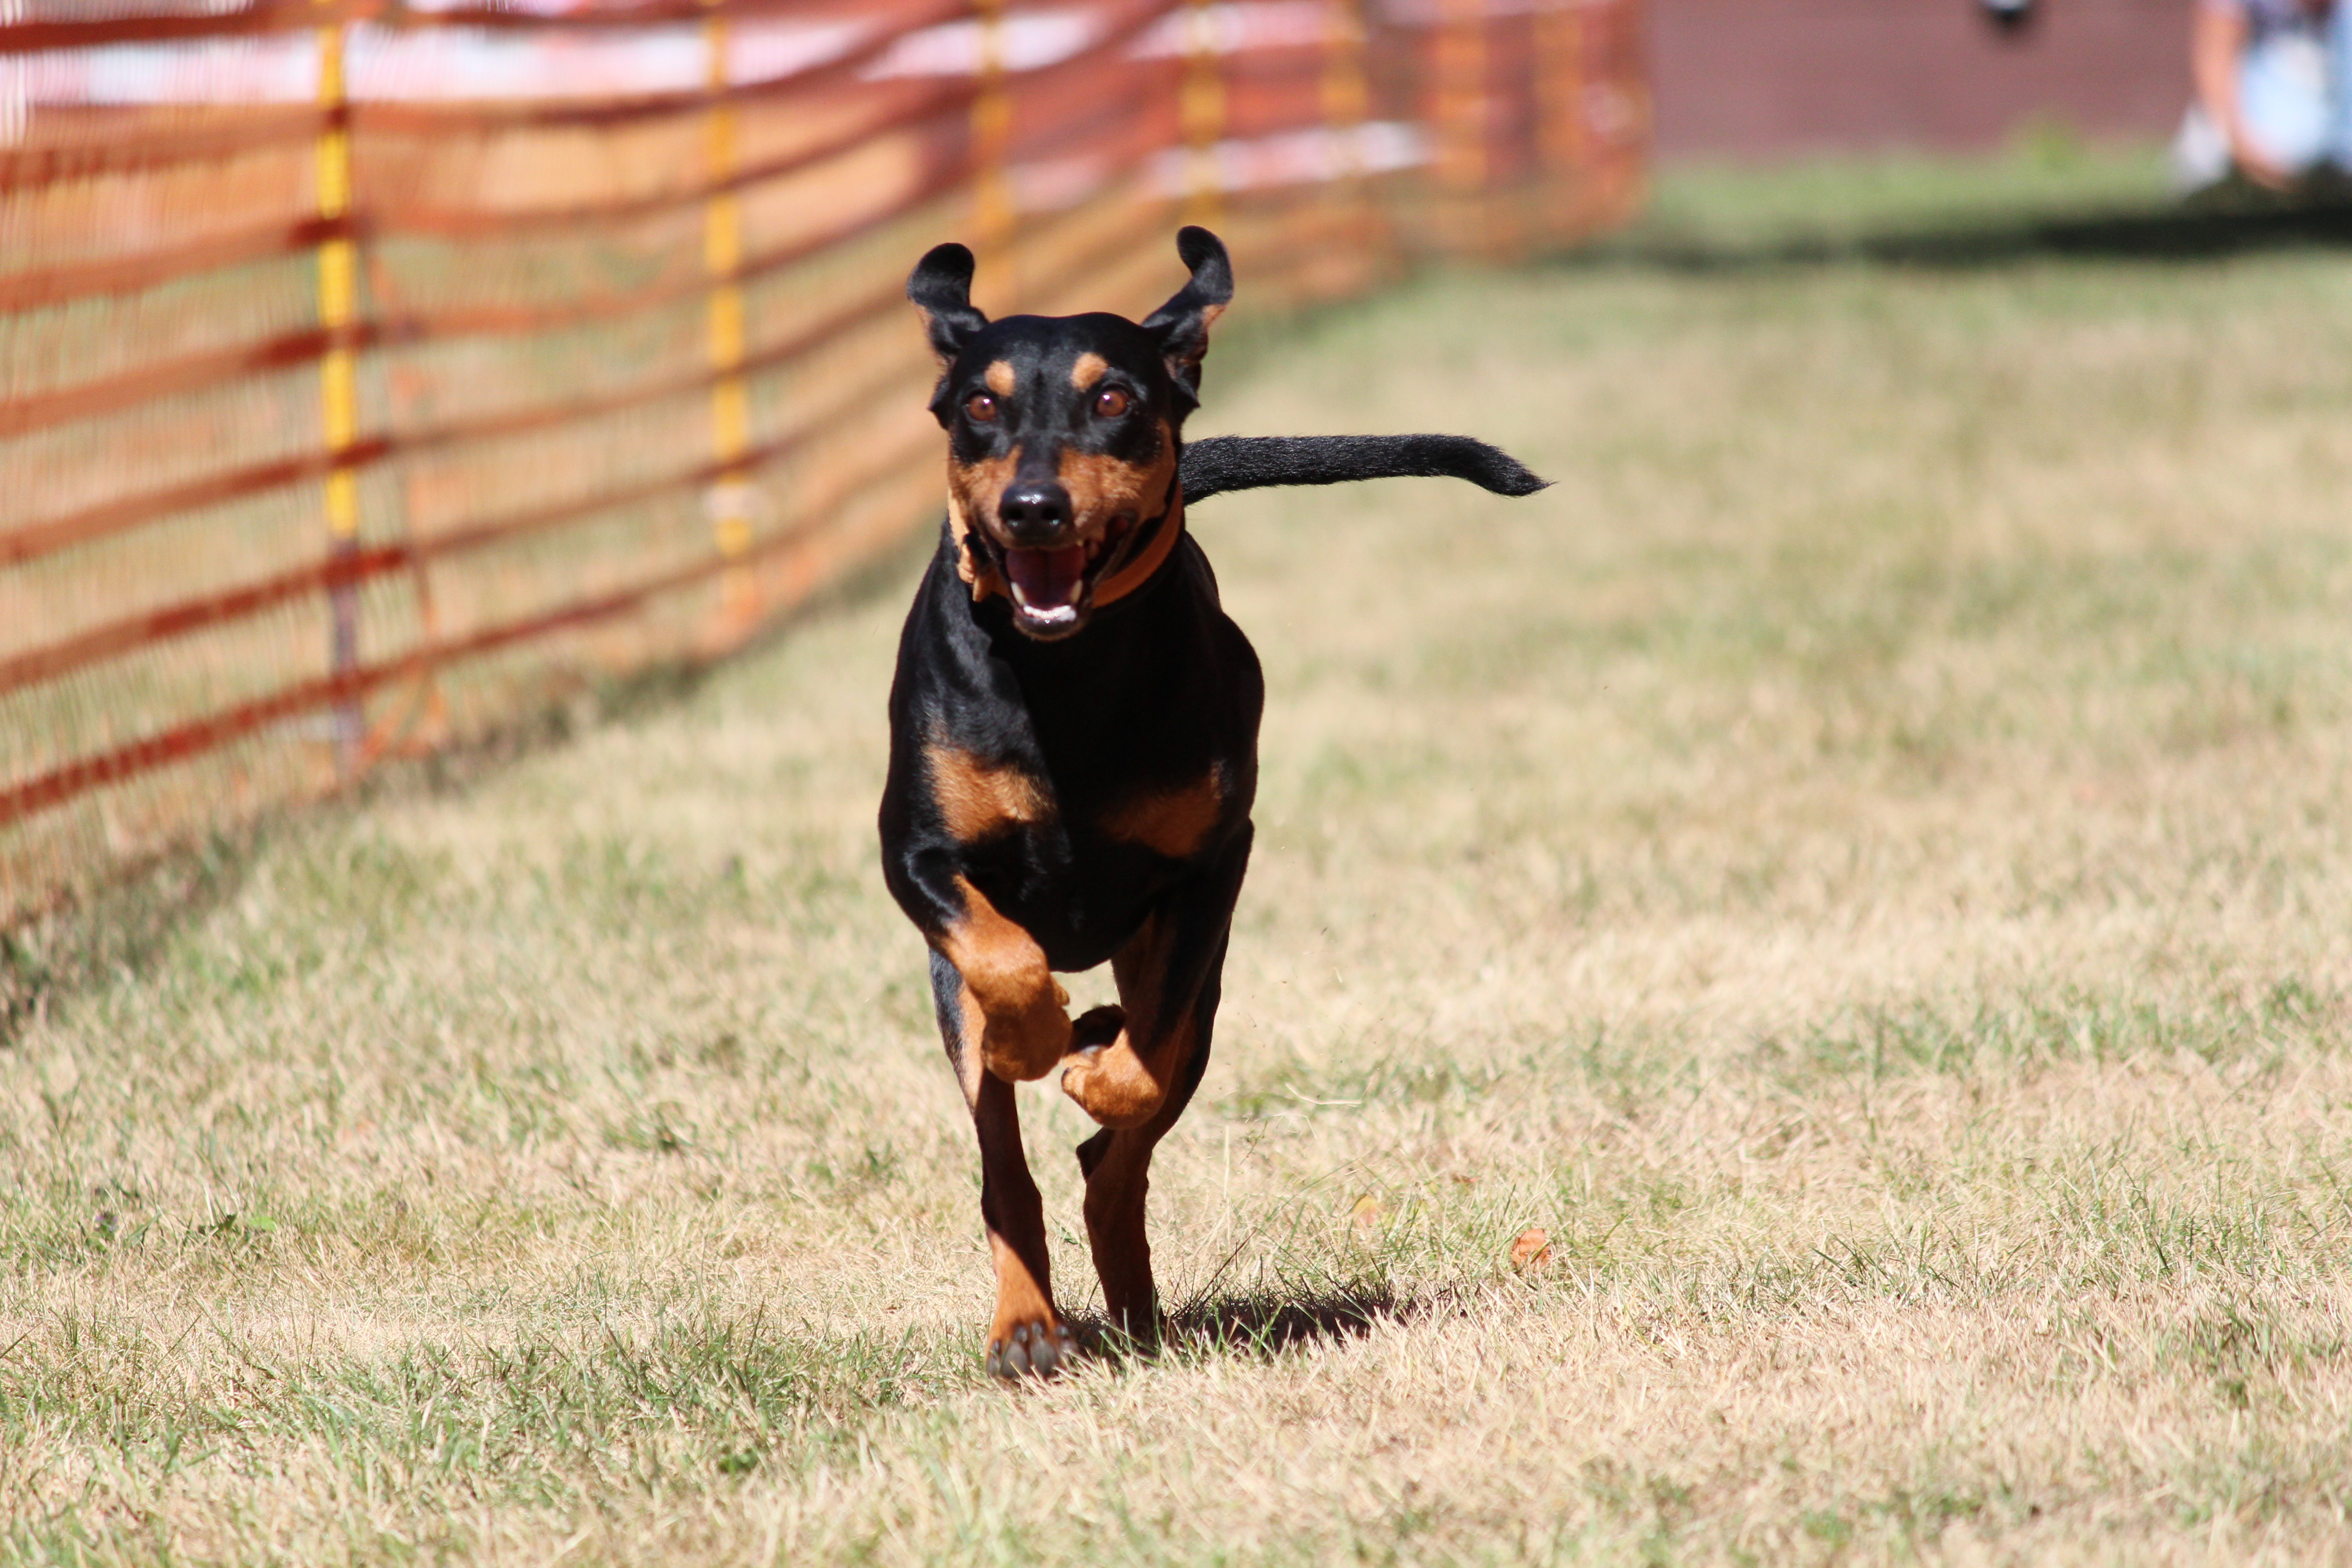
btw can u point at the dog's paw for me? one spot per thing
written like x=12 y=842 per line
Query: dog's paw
x=1021 y=1046
x=1105 y=1075
x=1033 y=1347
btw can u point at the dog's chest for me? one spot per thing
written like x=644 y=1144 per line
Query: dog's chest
x=1086 y=809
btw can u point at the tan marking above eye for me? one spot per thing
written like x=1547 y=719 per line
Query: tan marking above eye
x=1087 y=370
x=1110 y=402
x=980 y=408
x=999 y=377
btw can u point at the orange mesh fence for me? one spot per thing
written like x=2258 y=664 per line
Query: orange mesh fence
x=371 y=373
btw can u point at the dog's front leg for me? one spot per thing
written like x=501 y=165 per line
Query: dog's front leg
x=1022 y=1027
x=1027 y=1334
x=1000 y=1015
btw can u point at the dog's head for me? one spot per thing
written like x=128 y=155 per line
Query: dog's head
x=1064 y=434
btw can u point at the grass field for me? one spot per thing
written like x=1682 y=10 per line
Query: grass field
x=1862 y=864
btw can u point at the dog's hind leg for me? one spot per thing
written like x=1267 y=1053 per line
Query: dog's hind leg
x=1136 y=1066
x=1118 y=1164
x=1122 y=1078
x=1027 y=1334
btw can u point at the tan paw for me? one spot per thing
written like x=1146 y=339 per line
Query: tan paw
x=1019 y=1046
x=1033 y=1347
x=1105 y=1075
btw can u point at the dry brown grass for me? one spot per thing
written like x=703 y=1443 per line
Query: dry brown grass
x=1862 y=863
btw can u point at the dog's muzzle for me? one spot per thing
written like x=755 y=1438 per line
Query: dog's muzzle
x=1050 y=572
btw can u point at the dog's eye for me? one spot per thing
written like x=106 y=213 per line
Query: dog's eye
x=980 y=408
x=1110 y=402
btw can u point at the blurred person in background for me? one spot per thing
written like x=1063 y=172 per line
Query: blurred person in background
x=2273 y=80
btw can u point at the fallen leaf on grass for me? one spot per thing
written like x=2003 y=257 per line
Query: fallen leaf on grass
x=1531 y=1250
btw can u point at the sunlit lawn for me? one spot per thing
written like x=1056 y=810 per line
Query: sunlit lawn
x=1861 y=864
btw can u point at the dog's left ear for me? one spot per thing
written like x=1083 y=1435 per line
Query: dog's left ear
x=940 y=287
x=1181 y=325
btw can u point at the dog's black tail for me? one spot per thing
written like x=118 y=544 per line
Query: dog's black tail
x=1220 y=463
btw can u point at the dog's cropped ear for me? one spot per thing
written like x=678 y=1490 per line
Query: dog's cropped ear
x=1181 y=325
x=940 y=287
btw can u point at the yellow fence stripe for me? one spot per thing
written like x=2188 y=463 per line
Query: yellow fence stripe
x=730 y=500
x=1201 y=110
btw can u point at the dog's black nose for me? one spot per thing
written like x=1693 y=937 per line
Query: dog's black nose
x=1035 y=514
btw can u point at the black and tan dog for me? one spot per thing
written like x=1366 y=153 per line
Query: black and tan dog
x=1074 y=743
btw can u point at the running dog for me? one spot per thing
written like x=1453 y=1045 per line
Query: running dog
x=1074 y=743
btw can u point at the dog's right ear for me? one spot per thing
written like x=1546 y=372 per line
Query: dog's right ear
x=941 y=287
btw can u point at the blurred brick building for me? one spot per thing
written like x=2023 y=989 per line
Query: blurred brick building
x=1773 y=76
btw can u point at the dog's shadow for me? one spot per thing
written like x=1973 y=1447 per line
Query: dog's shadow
x=1263 y=1324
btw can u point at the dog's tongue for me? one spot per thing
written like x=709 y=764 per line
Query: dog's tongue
x=1047 y=578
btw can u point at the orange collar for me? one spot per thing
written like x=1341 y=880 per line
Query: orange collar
x=1139 y=572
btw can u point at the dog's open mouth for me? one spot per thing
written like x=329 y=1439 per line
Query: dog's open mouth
x=1052 y=590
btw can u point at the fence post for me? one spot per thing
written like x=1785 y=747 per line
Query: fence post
x=1628 y=41
x=1461 y=114
x=1346 y=101
x=1560 y=74
x=339 y=400
x=1200 y=114
x=730 y=497
x=991 y=140
x=1346 y=97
